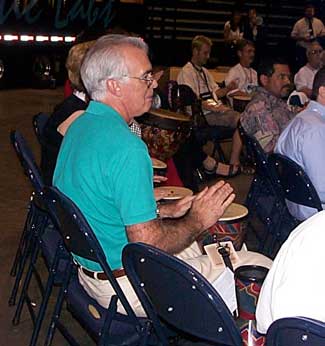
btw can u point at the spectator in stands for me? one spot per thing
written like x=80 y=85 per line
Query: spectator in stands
x=295 y=283
x=244 y=75
x=305 y=31
x=254 y=31
x=267 y=115
x=233 y=33
x=304 y=78
x=216 y=113
x=303 y=141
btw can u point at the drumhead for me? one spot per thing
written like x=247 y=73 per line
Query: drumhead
x=157 y=164
x=174 y=192
x=166 y=114
x=233 y=212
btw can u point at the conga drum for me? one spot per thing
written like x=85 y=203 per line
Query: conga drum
x=240 y=102
x=249 y=280
x=230 y=227
x=172 y=193
x=159 y=167
x=164 y=131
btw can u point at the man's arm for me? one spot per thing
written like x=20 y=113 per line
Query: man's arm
x=174 y=235
x=313 y=157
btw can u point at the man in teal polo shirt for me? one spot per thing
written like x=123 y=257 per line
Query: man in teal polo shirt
x=107 y=172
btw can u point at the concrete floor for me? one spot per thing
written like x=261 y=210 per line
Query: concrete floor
x=17 y=108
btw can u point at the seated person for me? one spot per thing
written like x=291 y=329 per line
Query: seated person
x=198 y=78
x=107 y=172
x=295 y=283
x=244 y=75
x=75 y=102
x=267 y=115
x=303 y=141
x=305 y=76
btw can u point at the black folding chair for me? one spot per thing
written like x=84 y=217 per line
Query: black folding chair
x=39 y=122
x=296 y=331
x=181 y=97
x=106 y=326
x=265 y=200
x=39 y=237
x=295 y=183
x=174 y=292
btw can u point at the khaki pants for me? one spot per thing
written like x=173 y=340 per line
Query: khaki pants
x=228 y=119
x=102 y=291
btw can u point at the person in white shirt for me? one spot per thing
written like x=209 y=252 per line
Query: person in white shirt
x=244 y=75
x=305 y=31
x=295 y=283
x=199 y=79
x=304 y=78
x=233 y=32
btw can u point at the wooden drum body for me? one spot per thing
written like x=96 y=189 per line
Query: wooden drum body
x=249 y=280
x=164 y=131
x=231 y=226
x=240 y=103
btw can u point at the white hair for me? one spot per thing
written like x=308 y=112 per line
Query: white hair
x=105 y=60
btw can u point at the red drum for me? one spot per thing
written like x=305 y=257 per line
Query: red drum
x=231 y=226
x=249 y=280
x=164 y=131
x=240 y=103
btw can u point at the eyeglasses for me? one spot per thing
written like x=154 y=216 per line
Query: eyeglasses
x=284 y=76
x=148 y=78
x=316 y=51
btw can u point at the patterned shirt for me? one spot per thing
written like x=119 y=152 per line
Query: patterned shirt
x=265 y=117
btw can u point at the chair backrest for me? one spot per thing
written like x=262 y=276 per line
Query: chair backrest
x=79 y=238
x=39 y=122
x=27 y=160
x=179 y=295
x=296 y=331
x=257 y=155
x=296 y=185
x=181 y=96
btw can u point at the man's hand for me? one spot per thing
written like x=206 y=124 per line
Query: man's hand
x=222 y=109
x=159 y=178
x=176 y=209
x=210 y=204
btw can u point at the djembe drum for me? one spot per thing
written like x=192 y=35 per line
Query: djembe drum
x=164 y=132
x=230 y=227
x=240 y=102
x=249 y=280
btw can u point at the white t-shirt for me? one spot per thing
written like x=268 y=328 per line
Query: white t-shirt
x=295 y=283
x=301 y=29
x=245 y=77
x=305 y=77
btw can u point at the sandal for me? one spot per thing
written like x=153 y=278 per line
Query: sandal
x=247 y=170
x=233 y=171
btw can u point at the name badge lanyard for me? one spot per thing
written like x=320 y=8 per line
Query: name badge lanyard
x=202 y=76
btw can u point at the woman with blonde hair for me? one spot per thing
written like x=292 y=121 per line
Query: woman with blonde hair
x=65 y=112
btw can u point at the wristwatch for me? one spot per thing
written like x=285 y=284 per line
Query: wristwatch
x=158 y=212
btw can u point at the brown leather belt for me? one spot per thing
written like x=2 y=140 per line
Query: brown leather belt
x=101 y=275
